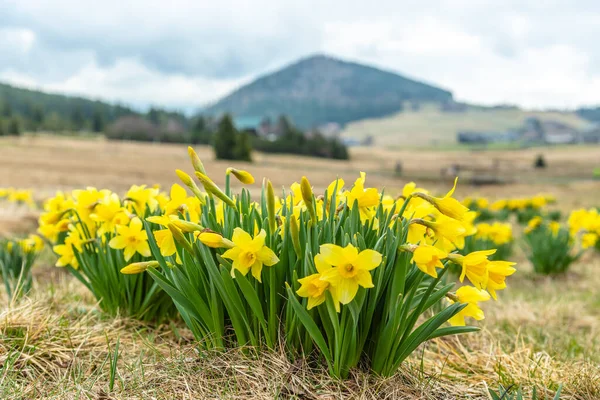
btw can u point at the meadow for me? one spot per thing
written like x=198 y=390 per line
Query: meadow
x=56 y=343
x=430 y=127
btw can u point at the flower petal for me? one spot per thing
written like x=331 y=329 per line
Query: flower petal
x=368 y=260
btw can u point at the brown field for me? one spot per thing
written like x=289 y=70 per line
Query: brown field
x=542 y=332
x=47 y=164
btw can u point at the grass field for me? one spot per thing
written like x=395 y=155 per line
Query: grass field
x=430 y=127
x=56 y=344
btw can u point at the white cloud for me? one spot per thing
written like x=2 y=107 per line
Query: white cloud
x=183 y=53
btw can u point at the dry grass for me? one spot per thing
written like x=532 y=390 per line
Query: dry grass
x=58 y=345
x=48 y=163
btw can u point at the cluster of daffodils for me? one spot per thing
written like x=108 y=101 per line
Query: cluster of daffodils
x=352 y=272
x=587 y=224
x=95 y=233
x=16 y=260
x=524 y=208
x=496 y=234
x=17 y=196
x=551 y=247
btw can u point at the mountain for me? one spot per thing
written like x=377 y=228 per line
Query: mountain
x=322 y=89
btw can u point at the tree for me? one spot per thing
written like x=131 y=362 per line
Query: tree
x=243 y=148
x=37 y=116
x=200 y=134
x=6 y=110
x=98 y=121
x=14 y=127
x=225 y=140
x=77 y=119
x=2 y=131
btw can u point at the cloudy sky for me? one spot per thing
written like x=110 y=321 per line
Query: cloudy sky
x=185 y=53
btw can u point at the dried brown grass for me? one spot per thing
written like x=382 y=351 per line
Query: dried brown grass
x=57 y=345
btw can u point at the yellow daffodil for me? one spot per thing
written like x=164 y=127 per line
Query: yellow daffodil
x=363 y=198
x=497 y=273
x=554 y=227
x=141 y=197
x=250 y=253
x=66 y=251
x=139 y=267
x=315 y=288
x=243 y=176
x=32 y=244
x=109 y=213
x=470 y=296
x=214 y=240
x=131 y=239
x=474 y=267
x=533 y=224
x=447 y=205
x=428 y=258
x=351 y=269
x=588 y=240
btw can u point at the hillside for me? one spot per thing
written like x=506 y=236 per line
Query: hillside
x=431 y=127
x=322 y=89
x=33 y=104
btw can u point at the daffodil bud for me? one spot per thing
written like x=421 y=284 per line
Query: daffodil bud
x=306 y=190
x=211 y=187
x=138 y=267
x=189 y=182
x=214 y=240
x=271 y=206
x=196 y=163
x=186 y=226
x=307 y=196
x=295 y=234
x=243 y=176
x=180 y=238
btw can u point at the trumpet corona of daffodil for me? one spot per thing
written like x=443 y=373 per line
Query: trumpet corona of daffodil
x=250 y=253
x=474 y=267
x=351 y=269
x=131 y=239
x=497 y=273
x=428 y=258
x=315 y=288
x=470 y=296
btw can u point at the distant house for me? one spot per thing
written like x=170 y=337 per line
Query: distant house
x=486 y=137
x=556 y=132
x=549 y=132
x=330 y=130
x=591 y=135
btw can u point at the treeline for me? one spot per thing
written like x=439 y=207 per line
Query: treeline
x=23 y=110
x=291 y=140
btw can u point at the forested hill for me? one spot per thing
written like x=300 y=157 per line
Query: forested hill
x=56 y=111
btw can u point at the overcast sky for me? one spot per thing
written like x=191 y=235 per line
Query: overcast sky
x=182 y=54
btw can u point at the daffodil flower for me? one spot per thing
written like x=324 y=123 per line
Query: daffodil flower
x=351 y=269
x=315 y=288
x=497 y=273
x=428 y=258
x=250 y=253
x=132 y=239
x=471 y=296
